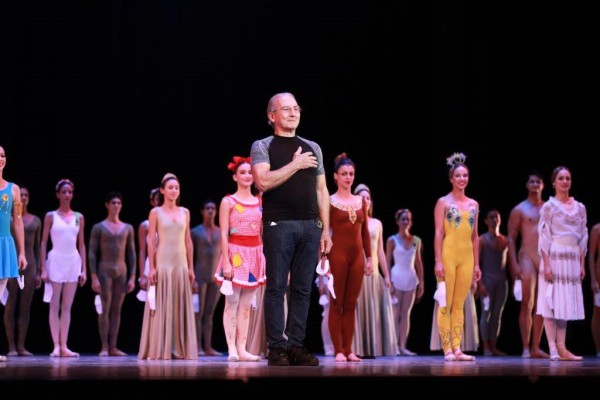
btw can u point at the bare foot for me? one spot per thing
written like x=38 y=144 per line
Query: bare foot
x=24 y=353
x=116 y=353
x=103 y=353
x=68 y=353
x=353 y=358
x=539 y=354
x=339 y=357
x=212 y=352
x=12 y=353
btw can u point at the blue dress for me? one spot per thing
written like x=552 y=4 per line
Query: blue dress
x=9 y=264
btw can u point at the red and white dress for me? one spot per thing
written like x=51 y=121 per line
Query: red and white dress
x=245 y=244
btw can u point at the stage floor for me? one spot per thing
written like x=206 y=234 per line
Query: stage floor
x=429 y=373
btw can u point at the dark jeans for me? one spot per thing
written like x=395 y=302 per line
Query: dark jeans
x=290 y=248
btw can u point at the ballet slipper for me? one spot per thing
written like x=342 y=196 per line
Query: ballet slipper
x=212 y=352
x=24 y=353
x=55 y=353
x=406 y=352
x=449 y=356
x=103 y=353
x=116 y=353
x=460 y=356
x=68 y=353
x=566 y=355
x=12 y=353
x=233 y=357
x=339 y=357
x=249 y=357
x=539 y=354
x=353 y=358
x=3 y=359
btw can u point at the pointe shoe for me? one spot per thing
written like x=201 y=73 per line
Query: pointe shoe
x=460 y=356
x=449 y=356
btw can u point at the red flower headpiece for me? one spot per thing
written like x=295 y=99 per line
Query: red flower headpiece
x=237 y=161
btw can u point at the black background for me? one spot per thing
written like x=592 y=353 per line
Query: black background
x=113 y=94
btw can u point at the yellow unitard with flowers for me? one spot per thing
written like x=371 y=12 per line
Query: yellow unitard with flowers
x=458 y=261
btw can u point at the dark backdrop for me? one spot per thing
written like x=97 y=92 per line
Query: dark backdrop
x=114 y=94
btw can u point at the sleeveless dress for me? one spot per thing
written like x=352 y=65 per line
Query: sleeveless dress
x=9 y=263
x=374 y=332
x=170 y=330
x=64 y=260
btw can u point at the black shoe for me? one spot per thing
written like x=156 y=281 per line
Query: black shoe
x=278 y=357
x=299 y=356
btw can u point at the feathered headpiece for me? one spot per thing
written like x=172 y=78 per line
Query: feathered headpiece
x=456 y=158
x=237 y=161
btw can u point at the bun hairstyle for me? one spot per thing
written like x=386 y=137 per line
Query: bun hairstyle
x=237 y=161
x=454 y=161
x=154 y=192
x=62 y=183
x=168 y=176
x=555 y=172
x=341 y=160
x=361 y=187
x=400 y=212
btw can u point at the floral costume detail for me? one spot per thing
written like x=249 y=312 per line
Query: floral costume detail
x=245 y=247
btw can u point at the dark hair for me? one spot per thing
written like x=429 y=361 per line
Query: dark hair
x=111 y=195
x=400 y=212
x=535 y=172
x=62 y=183
x=207 y=202
x=556 y=170
x=341 y=160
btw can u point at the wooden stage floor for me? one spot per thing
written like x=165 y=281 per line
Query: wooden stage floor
x=426 y=373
